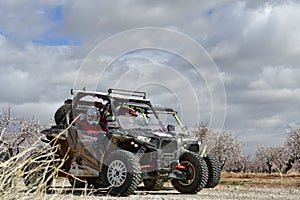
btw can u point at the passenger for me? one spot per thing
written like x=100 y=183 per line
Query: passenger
x=126 y=117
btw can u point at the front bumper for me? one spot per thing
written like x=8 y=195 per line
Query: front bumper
x=163 y=163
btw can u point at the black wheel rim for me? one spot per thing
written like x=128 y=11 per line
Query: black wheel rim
x=191 y=172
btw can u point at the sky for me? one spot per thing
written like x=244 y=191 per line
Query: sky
x=233 y=64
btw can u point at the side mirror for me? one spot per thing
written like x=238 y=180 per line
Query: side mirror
x=171 y=128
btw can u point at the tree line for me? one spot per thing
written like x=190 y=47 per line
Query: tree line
x=267 y=159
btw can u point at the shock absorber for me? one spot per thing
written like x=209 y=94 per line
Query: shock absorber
x=140 y=152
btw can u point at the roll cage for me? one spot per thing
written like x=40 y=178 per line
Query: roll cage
x=136 y=100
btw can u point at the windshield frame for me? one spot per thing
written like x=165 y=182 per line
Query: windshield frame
x=147 y=105
x=170 y=111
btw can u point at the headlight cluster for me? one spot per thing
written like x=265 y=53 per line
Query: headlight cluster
x=144 y=138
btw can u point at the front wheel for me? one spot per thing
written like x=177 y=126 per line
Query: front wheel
x=196 y=171
x=121 y=171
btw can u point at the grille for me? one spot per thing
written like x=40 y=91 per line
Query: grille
x=155 y=141
x=169 y=146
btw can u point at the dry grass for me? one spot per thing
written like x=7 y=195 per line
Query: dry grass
x=14 y=170
x=35 y=165
x=19 y=180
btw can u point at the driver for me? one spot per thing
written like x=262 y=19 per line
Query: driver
x=90 y=121
x=91 y=135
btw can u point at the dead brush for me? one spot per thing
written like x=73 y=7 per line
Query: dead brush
x=29 y=173
x=12 y=173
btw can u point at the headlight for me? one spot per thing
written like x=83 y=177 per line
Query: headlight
x=143 y=138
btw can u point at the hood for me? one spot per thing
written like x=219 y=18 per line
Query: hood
x=149 y=133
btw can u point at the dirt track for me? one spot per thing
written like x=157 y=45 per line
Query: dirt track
x=232 y=186
x=220 y=192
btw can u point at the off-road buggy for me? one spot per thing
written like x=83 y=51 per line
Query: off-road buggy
x=116 y=140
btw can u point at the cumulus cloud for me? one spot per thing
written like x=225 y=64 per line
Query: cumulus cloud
x=277 y=77
x=257 y=4
x=32 y=73
x=255 y=45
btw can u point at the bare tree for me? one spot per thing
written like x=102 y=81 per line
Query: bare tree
x=17 y=133
x=227 y=148
x=271 y=158
x=6 y=120
x=242 y=163
x=255 y=165
x=292 y=146
x=223 y=145
x=266 y=157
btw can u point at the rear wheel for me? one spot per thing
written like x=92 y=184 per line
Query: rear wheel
x=6 y=181
x=76 y=183
x=39 y=172
x=94 y=182
x=153 y=184
x=197 y=174
x=121 y=171
x=214 y=171
x=60 y=114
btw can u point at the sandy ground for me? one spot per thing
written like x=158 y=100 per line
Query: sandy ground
x=220 y=192
x=232 y=186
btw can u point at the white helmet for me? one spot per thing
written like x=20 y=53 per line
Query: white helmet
x=93 y=116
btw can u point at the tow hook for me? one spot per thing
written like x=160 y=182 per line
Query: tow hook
x=180 y=167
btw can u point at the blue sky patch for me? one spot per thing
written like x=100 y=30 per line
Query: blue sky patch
x=54 y=36
x=56 y=14
x=50 y=40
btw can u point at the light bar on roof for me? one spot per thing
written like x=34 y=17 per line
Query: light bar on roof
x=127 y=93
